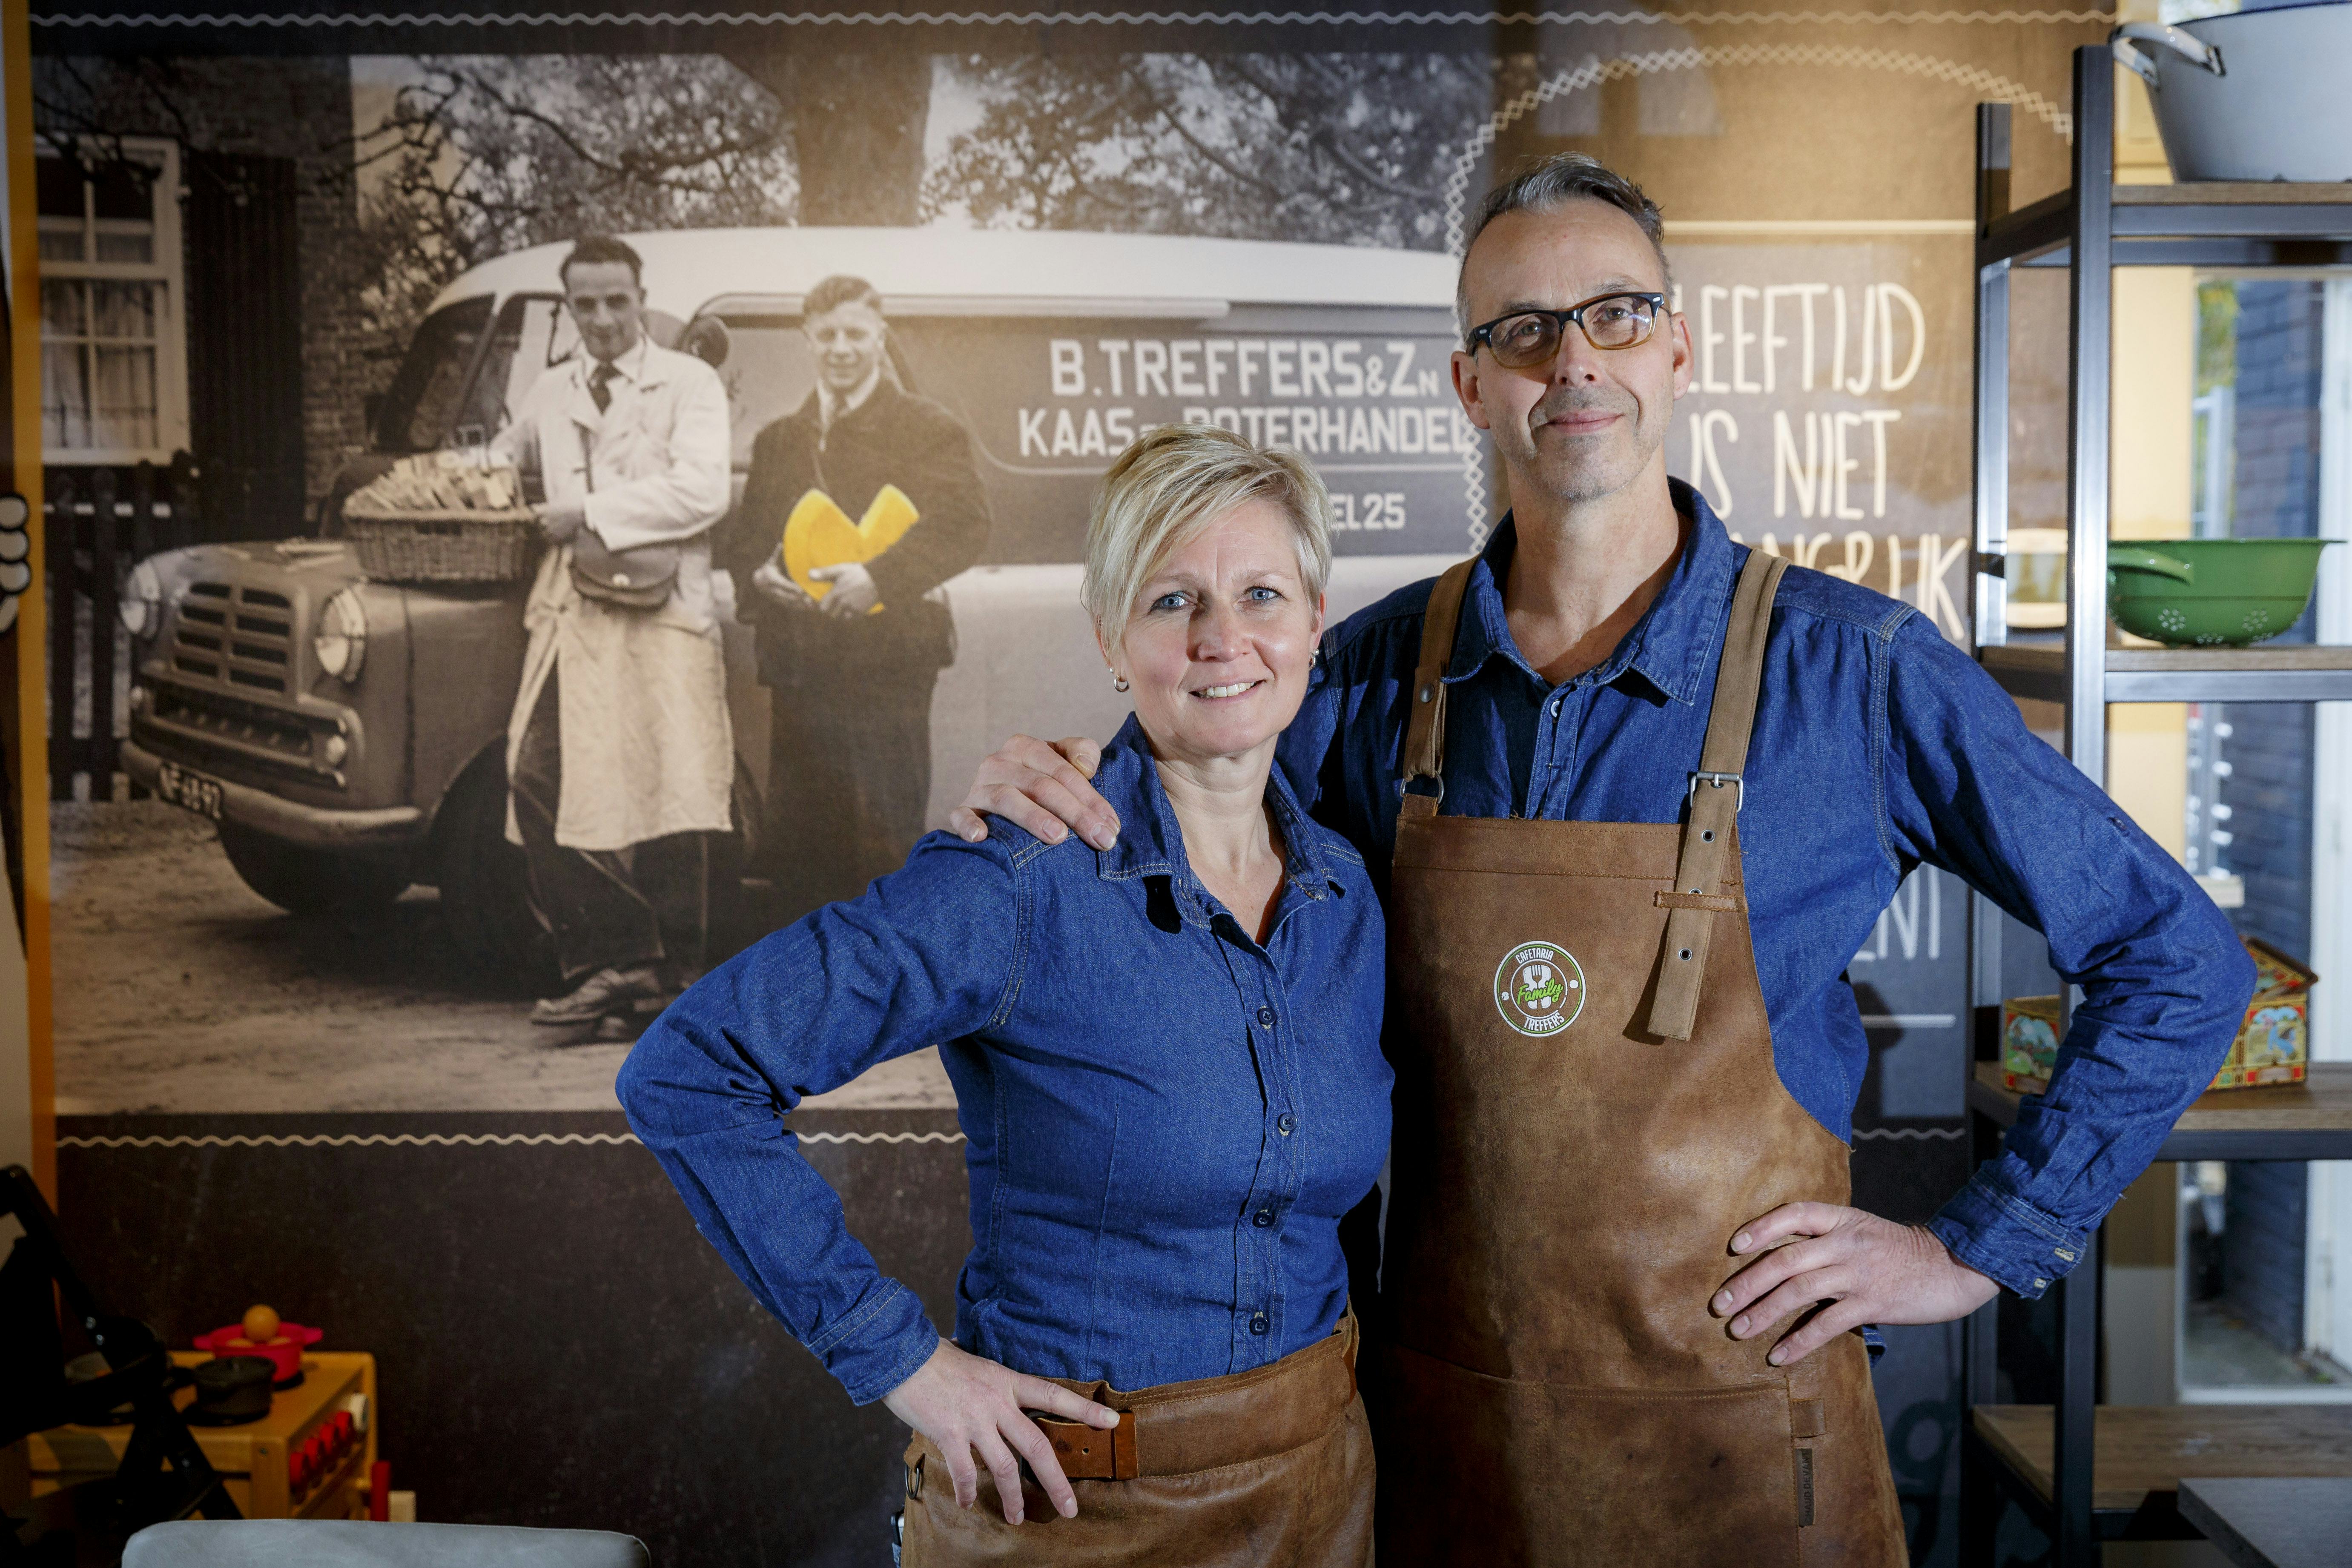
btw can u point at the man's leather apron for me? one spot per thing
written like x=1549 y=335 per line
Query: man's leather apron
x=1587 y=1112
x=1265 y=1469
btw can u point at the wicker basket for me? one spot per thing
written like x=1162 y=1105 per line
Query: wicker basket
x=445 y=546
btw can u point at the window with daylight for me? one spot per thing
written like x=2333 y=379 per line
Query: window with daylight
x=113 y=347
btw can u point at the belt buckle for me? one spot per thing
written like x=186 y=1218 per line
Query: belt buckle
x=1718 y=780
x=1089 y=1453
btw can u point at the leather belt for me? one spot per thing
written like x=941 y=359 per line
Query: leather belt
x=1089 y=1453
x=1213 y=1421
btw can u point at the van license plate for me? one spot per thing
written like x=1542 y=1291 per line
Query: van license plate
x=193 y=791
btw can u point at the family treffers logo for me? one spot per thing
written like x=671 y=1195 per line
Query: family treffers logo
x=1539 y=988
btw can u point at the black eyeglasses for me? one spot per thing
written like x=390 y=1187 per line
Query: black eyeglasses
x=1524 y=339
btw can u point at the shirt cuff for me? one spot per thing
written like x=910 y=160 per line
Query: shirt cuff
x=2009 y=1241
x=880 y=1345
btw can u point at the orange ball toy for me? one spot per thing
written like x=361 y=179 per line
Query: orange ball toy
x=260 y=1324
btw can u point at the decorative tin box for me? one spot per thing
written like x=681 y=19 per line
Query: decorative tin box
x=2274 y=1044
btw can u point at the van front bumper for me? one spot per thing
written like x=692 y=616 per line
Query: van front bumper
x=310 y=827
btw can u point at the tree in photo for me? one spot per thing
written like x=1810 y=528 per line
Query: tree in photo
x=1350 y=149
x=474 y=156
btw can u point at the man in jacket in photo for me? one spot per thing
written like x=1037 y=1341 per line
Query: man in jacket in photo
x=619 y=752
x=851 y=668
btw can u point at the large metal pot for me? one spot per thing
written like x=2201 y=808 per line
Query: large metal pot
x=2260 y=95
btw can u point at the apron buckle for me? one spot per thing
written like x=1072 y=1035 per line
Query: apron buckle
x=1090 y=1454
x=1718 y=780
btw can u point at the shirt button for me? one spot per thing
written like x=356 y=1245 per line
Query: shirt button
x=1285 y=1124
x=1257 y=1324
x=1263 y=1218
x=1265 y=1017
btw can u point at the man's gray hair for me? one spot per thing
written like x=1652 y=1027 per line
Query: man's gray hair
x=1542 y=184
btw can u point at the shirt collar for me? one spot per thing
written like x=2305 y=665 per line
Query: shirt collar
x=1671 y=647
x=1151 y=844
x=832 y=405
x=629 y=366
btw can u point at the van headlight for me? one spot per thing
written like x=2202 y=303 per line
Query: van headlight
x=340 y=641
x=141 y=606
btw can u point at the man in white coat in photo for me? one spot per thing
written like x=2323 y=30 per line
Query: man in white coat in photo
x=619 y=753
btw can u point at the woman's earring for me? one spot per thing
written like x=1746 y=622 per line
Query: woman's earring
x=1118 y=682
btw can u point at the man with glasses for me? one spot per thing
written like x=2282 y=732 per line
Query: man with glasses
x=1634 y=795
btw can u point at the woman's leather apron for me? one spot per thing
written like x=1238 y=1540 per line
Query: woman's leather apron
x=1587 y=1112
x=1266 y=1468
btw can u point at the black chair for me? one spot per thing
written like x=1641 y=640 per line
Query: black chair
x=163 y=1474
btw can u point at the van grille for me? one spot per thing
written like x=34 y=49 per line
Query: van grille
x=239 y=638
x=246 y=728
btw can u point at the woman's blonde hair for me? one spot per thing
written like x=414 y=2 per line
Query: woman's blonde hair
x=1173 y=483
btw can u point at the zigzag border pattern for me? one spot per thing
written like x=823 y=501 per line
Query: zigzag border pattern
x=1097 y=18
x=446 y=1139
x=1921 y=1133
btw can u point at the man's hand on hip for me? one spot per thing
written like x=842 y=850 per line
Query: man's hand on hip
x=1869 y=1271
x=1041 y=788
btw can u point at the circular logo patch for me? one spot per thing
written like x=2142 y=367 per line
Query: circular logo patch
x=1539 y=988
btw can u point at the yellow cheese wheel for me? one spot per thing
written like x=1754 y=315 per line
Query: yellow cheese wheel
x=819 y=533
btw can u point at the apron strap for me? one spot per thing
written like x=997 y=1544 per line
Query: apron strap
x=1424 y=734
x=1717 y=791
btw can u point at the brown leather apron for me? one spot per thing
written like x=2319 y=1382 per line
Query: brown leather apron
x=1586 y=1112
x=1266 y=1468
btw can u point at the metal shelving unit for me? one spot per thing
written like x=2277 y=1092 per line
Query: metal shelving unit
x=2088 y=229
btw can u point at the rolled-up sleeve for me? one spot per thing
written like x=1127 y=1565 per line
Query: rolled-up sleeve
x=2164 y=980
x=927 y=954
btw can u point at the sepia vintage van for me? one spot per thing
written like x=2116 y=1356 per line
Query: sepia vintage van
x=348 y=734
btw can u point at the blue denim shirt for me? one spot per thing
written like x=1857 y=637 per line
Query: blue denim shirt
x=1165 y=1121
x=1877 y=746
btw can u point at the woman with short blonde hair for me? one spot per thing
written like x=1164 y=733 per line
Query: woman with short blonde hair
x=1175 y=481
x=1167 y=1063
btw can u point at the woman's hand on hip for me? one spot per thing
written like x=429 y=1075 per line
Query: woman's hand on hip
x=1040 y=787
x=967 y=1405
x=1869 y=1271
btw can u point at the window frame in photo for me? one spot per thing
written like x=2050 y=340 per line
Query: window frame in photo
x=166 y=269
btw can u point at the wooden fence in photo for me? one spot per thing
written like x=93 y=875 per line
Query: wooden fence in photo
x=99 y=522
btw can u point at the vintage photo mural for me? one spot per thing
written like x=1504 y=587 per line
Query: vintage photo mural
x=920 y=282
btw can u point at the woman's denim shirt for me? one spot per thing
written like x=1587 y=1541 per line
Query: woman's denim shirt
x=1165 y=1121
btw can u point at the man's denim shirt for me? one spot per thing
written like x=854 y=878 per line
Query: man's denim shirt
x=1165 y=1120
x=1878 y=746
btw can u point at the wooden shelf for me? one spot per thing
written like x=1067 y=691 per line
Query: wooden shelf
x=2178 y=660
x=2298 y=1522
x=2307 y=1121
x=2144 y=1450
x=2236 y=192
x=2295 y=673
x=2214 y=222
